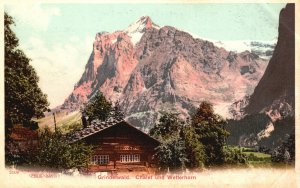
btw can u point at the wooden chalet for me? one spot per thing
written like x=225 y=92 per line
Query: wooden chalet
x=118 y=146
x=22 y=138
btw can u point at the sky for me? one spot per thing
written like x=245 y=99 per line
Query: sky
x=59 y=37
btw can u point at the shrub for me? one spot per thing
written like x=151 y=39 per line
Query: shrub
x=234 y=156
x=55 y=151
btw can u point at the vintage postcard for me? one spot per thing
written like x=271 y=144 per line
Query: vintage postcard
x=141 y=94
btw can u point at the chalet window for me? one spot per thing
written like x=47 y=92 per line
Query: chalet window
x=130 y=158
x=100 y=159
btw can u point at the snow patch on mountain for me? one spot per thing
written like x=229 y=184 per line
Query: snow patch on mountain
x=135 y=37
x=137 y=29
x=113 y=41
x=263 y=48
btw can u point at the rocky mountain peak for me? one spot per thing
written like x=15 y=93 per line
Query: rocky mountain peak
x=279 y=79
x=136 y=30
x=148 y=68
x=141 y=24
x=146 y=20
x=268 y=115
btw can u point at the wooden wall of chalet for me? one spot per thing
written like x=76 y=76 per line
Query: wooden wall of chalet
x=121 y=139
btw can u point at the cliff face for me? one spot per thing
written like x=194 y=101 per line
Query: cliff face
x=278 y=82
x=270 y=109
x=148 y=68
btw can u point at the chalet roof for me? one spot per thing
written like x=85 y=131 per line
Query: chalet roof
x=95 y=127
x=98 y=126
x=20 y=133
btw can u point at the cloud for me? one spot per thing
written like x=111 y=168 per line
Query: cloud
x=59 y=66
x=35 y=15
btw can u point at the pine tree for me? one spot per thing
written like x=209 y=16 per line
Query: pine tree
x=97 y=108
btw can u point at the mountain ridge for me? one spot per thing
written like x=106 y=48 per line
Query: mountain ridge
x=165 y=69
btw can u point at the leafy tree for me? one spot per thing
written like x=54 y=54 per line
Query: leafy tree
x=171 y=154
x=23 y=97
x=194 y=149
x=211 y=132
x=55 y=151
x=194 y=144
x=169 y=125
x=97 y=108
